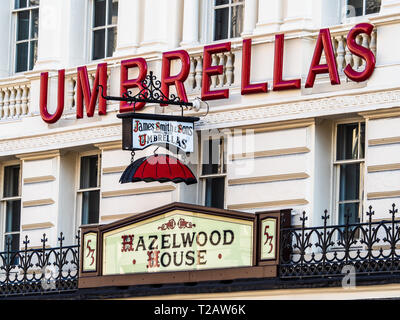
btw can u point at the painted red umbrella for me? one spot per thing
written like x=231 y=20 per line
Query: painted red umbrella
x=158 y=167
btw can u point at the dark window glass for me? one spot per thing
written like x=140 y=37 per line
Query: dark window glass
x=19 y=4
x=23 y=25
x=215 y=192
x=33 y=54
x=13 y=216
x=111 y=41
x=221 y=2
x=221 y=22
x=362 y=140
x=11 y=181
x=11 y=240
x=89 y=168
x=98 y=44
x=236 y=21
x=14 y=242
x=351 y=210
x=27 y=29
x=112 y=12
x=372 y=6
x=35 y=24
x=212 y=157
x=90 y=207
x=33 y=3
x=22 y=57
x=104 y=38
x=99 y=13
x=347 y=141
x=354 y=8
x=350 y=146
x=349 y=182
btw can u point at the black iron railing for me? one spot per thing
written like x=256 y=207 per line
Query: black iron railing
x=39 y=271
x=372 y=247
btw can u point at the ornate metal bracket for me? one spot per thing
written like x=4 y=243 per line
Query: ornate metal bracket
x=151 y=93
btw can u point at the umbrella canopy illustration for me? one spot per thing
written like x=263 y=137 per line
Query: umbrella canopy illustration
x=158 y=167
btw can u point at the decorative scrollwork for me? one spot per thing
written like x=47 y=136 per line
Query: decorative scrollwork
x=170 y=225
x=38 y=271
x=150 y=93
x=183 y=224
x=372 y=247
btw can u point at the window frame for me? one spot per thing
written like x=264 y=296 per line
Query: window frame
x=15 y=42
x=346 y=19
x=79 y=192
x=223 y=160
x=336 y=166
x=213 y=8
x=105 y=27
x=3 y=203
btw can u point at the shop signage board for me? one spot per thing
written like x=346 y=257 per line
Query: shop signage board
x=89 y=252
x=269 y=238
x=146 y=132
x=149 y=132
x=88 y=96
x=179 y=240
x=181 y=243
x=141 y=130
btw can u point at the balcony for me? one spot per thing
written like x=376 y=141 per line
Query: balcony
x=316 y=255
x=39 y=271
x=370 y=248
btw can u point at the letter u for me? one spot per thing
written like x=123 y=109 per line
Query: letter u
x=46 y=116
x=175 y=260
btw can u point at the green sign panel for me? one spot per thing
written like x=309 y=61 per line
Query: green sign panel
x=268 y=244
x=89 y=252
x=178 y=241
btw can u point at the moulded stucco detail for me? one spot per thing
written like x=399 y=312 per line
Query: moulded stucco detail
x=308 y=106
x=58 y=140
x=337 y=104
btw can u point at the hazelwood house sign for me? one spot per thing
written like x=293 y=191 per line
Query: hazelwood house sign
x=88 y=96
x=181 y=242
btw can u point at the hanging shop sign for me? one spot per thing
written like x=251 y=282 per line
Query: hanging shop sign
x=147 y=132
x=87 y=97
x=181 y=243
x=141 y=130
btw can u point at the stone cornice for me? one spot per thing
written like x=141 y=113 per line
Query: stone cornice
x=344 y=103
x=61 y=139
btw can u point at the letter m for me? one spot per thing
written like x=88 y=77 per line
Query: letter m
x=83 y=94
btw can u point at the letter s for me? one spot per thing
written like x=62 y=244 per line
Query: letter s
x=360 y=51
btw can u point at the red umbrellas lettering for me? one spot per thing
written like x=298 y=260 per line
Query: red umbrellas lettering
x=158 y=167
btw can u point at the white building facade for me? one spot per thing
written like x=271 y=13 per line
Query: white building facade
x=333 y=147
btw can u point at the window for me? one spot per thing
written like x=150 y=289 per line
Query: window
x=89 y=189
x=355 y=8
x=213 y=172
x=104 y=28
x=26 y=13
x=349 y=168
x=11 y=204
x=228 y=19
